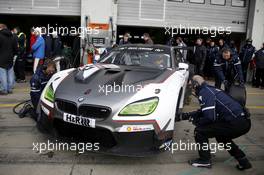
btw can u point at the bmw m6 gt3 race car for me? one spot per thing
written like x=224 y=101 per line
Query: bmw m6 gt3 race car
x=128 y=100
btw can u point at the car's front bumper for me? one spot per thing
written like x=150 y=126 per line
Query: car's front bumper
x=139 y=143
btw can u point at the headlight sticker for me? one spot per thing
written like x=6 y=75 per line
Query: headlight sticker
x=49 y=93
x=140 y=108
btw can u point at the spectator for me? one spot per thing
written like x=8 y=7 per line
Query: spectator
x=259 y=59
x=57 y=44
x=147 y=39
x=222 y=45
x=208 y=42
x=48 y=44
x=19 y=67
x=171 y=42
x=199 y=57
x=7 y=51
x=212 y=52
x=33 y=39
x=232 y=46
x=75 y=61
x=180 y=43
x=38 y=49
x=125 y=39
x=246 y=55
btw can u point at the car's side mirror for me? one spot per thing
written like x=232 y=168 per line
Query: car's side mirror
x=183 y=66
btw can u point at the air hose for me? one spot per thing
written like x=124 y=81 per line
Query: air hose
x=27 y=108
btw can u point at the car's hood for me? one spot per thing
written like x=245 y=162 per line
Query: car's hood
x=106 y=85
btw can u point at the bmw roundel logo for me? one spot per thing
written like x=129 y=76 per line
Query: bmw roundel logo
x=80 y=99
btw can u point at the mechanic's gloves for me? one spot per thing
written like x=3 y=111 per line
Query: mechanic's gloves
x=182 y=116
x=193 y=117
x=241 y=84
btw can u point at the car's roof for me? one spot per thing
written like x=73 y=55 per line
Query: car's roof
x=154 y=46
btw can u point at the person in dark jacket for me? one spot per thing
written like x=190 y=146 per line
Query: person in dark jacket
x=56 y=45
x=220 y=117
x=19 y=67
x=199 y=56
x=39 y=81
x=232 y=46
x=259 y=60
x=212 y=52
x=125 y=39
x=147 y=39
x=222 y=45
x=8 y=48
x=48 y=45
x=75 y=61
x=246 y=55
x=228 y=69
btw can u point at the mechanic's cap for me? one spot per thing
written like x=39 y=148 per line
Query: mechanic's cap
x=199 y=79
x=249 y=40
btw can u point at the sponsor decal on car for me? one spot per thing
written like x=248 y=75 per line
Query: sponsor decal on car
x=136 y=128
x=79 y=120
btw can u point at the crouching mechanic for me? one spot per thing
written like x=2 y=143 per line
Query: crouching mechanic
x=220 y=117
x=39 y=81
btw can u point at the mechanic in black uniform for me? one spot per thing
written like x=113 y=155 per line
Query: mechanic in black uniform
x=228 y=69
x=220 y=117
x=39 y=81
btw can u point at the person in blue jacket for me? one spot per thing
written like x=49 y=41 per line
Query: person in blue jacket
x=246 y=55
x=38 y=49
x=39 y=80
x=220 y=117
x=228 y=69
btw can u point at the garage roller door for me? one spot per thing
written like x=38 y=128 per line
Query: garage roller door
x=41 y=7
x=159 y=13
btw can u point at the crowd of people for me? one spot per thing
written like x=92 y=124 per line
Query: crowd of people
x=16 y=48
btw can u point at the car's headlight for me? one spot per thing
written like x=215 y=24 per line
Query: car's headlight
x=144 y=107
x=49 y=94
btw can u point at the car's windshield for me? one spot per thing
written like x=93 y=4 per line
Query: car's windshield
x=145 y=58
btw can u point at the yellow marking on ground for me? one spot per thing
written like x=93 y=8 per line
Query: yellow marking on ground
x=7 y=105
x=22 y=90
x=254 y=93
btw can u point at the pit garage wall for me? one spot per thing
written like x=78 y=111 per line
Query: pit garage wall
x=160 y=13
x=41 y=7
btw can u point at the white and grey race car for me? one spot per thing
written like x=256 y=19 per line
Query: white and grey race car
x=128 y=100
